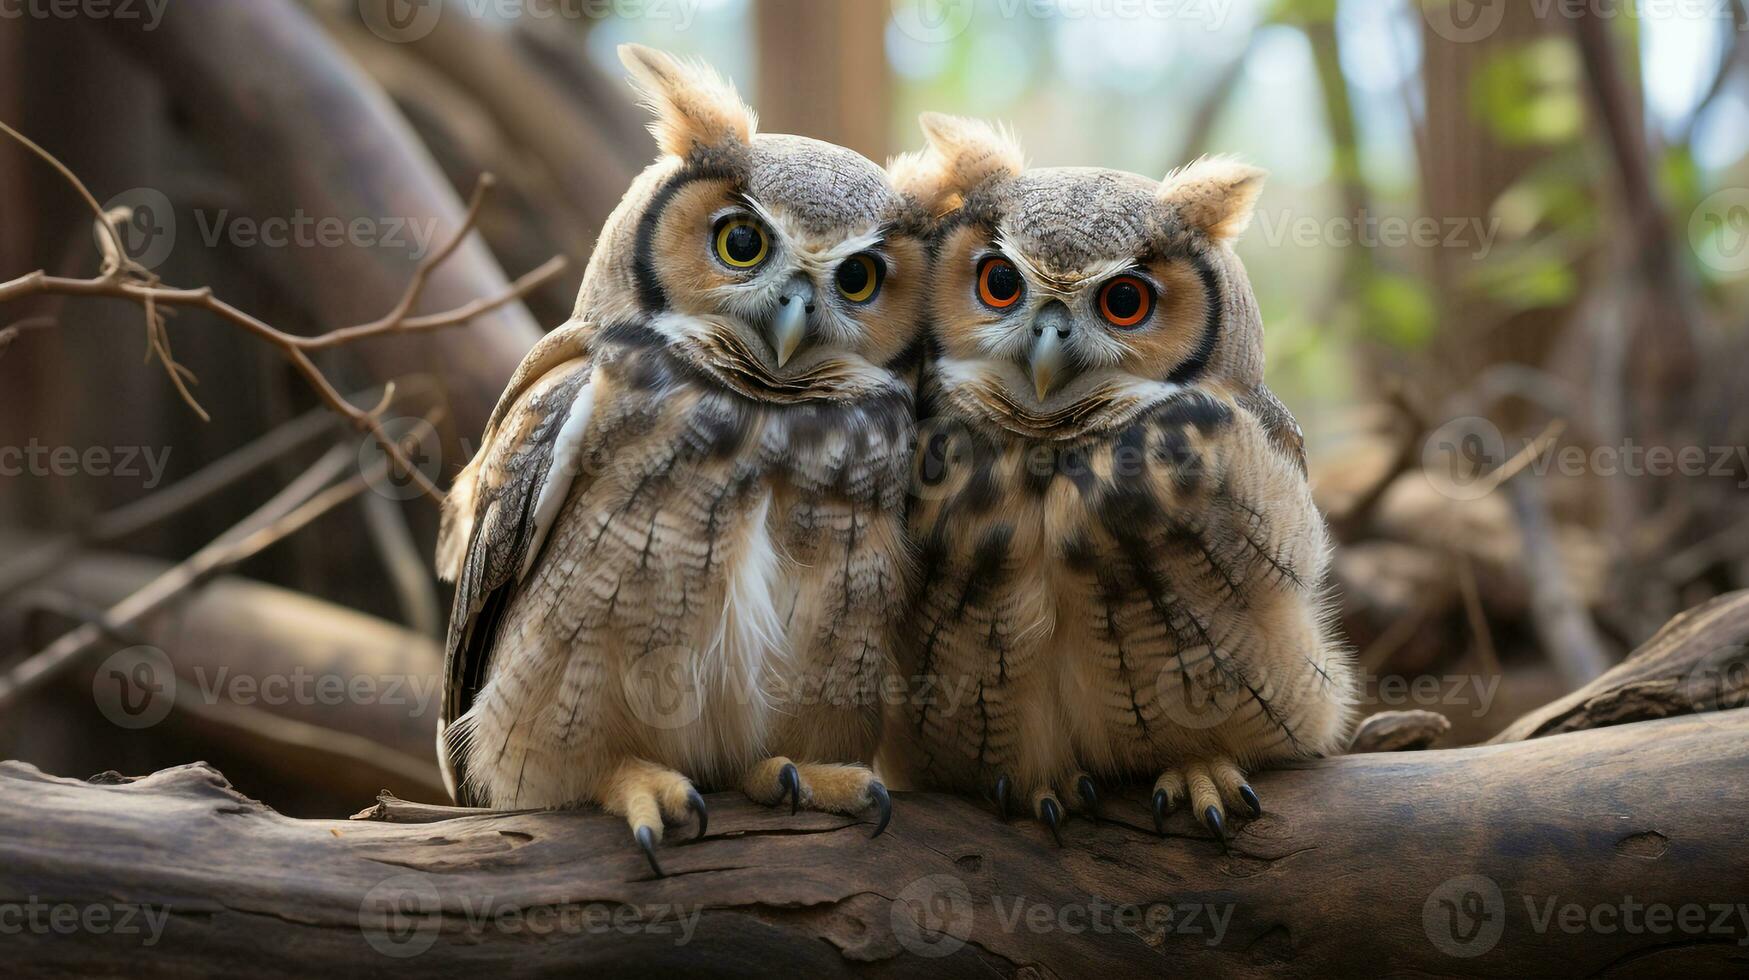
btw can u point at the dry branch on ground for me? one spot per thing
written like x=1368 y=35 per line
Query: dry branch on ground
x=1440 y=862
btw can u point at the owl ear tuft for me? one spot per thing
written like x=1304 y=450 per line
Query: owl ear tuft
x=695 y=107
x=1215 y=195
x=963 y=155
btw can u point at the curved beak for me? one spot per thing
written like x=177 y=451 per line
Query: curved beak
x=1048 y=360
x=790 y=324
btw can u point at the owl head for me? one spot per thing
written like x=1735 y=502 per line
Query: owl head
x=1067 y=298
x=787 y=267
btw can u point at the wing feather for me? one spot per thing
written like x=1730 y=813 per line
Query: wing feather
x=500 y=509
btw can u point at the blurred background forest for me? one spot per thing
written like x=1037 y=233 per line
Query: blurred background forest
x=1503 y=261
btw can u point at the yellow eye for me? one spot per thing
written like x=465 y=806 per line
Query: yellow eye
x=741 y=243
x=859 y=277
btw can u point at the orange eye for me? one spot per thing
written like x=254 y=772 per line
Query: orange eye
x=1125 y=301
x=999 y=284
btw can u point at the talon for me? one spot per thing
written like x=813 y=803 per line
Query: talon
x=1251 y=800
x=790 y=781
x=1085 y=786
x=1212 y=817
x=1160 y=812
x=695 y=803
x=1002 y=785
x=1052 y=817
x=885 y=802
x=647 y=841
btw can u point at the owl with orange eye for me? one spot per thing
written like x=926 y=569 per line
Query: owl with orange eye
x=1123 y=569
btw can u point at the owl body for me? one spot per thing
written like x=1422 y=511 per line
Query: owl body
x=1116 y=608
x=727 y=573
x=1120 y=553
x=680 y=552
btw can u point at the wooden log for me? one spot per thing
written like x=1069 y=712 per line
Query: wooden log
x=1451 y=863
x=1399 y=731
x=311 y=705
x=1699 y=661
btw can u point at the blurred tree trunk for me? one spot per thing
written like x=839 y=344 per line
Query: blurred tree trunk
x=823 y=72
x=1467 y=165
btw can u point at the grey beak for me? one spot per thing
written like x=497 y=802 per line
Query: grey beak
x=790 y=325
x=1048 y=359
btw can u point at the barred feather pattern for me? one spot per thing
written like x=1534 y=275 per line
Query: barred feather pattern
x=1118 y=601
x=719 y=586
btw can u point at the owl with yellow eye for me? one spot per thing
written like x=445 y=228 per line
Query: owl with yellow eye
x=680 y=554
x=1122 y=565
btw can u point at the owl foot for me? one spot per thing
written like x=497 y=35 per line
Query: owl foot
x=1206 y=784
x=647 y=794
x=835 y=788
x=1047 y=806
x=1049 y=812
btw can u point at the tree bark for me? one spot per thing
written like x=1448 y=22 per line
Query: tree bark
x=1357 y=865
x=1614 y=851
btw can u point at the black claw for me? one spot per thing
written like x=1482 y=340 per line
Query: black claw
x=883 y=801
x=1002 y=785
x=1212 y=817
x=1052 y=816
x=695 y=803
x=647 y=841
x=789 y=780
x=1251 y=800
x=1085 y=786
x=1160 y=812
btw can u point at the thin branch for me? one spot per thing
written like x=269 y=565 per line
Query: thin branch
x=127 y=281
x=73 y=179
x=287 y=737
x=300 y=502
x=129 y=519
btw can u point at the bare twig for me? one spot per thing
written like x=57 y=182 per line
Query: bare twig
x=1478 y=616
x=300 y=502
x=1348 y=525
x=291 y=737
x=1562 y=623
x=129 y=519
x=1512 y=467
x=72 y=178
x=409 y=569
x=123 y=279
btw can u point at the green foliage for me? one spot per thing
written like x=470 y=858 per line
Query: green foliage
x=1536 y=277
x=1529 y=94
x=1399 y=311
